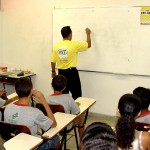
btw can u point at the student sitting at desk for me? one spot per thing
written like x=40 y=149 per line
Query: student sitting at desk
x=128 y=138
x=144 y=95
x=99 y=136
x=3 y=100
x=59 y=83
x=20 y=112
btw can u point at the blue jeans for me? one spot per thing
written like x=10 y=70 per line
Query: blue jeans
x=50 y=144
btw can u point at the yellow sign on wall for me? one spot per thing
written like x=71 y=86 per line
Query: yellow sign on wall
x=145 y=16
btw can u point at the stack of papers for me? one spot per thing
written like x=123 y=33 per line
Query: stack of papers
x=6 y=73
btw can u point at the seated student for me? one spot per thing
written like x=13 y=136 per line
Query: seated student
x=129 y=107
x=20 y=112
x=3 y=100
x=99 y=136
x=59 y=83
x=144 y=95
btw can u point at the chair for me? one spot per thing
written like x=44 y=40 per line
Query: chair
x=8 y=130
x=55 y=108
x=59 y=108
x=2 y=112
x=140 y=126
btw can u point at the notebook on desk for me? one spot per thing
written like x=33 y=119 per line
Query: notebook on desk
x=5 y=74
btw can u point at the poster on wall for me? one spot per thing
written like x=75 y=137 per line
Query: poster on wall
x=145 y=16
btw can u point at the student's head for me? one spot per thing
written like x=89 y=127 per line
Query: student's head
x=66 y=32
x=129 y=104
x=59 y=83
x=129 y=107
x=98 y=136
x=144 y=95
x=23 y=87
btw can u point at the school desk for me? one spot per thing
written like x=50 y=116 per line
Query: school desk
x=63 y=120
x=10 y=78
x=13 y=95
x=84 y=105
x=22 y=141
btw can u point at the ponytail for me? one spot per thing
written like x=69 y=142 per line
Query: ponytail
x=125 y=131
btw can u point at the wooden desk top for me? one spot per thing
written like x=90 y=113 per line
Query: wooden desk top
x=13 y=95
x=23 y=141
x=13 y=74
x=85 y=103
x=16 y=77
x=10 y=78
x=62 y=119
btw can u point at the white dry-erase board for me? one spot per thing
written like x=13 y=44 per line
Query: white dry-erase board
x=120 y=44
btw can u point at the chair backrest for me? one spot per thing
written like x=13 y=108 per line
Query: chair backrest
x=140 y=126
x=57 y=108
x=2 y=112
x=8 y=130
x=54 y=107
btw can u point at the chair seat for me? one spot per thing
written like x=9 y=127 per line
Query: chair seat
x=8 y=130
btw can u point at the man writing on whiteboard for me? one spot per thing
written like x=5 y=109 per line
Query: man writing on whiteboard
x=64 y=55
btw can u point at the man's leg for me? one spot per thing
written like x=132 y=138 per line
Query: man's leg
x=74 y=84
x=64 y=73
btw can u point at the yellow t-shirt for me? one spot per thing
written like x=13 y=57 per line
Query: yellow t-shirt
x=65 y=53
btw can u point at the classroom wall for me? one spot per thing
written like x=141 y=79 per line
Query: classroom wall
x=1 y=37
x=27 y=44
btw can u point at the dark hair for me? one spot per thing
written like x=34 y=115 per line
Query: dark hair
x=23 y=87
x=59 y=82
x=99 y=136
x=65 y=31
x=129 y=106
x=144 y=95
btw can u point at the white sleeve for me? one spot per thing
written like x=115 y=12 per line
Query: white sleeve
x=74 y=108
x=43 y=121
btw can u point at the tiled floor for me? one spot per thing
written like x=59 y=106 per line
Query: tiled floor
x=91 y=118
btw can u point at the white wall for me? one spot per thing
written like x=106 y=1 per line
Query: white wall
x=1 y=52
x=27 y=44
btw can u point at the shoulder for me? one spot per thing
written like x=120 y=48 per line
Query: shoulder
x=79 y=43
x=146 y=140
x=145 y=135
x=68 y=97
x=35 y=110
x=58 y=44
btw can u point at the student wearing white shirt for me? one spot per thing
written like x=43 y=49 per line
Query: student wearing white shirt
x=22 y=113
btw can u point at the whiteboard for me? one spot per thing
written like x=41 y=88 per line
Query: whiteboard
x=119 y=43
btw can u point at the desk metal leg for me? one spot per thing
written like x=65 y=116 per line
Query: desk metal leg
x=86 y=115
x=75 y=132
x=4 y=85
x=64 y=140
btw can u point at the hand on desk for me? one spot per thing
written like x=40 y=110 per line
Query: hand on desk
x=78 y=103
